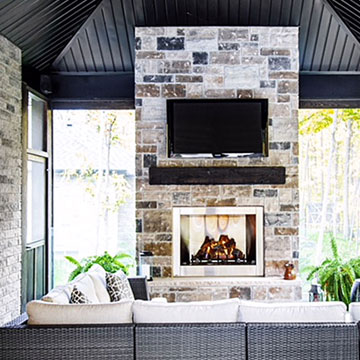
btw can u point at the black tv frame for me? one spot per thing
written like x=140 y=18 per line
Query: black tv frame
x=170 y=130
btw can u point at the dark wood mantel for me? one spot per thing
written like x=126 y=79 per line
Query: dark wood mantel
x=217 y=175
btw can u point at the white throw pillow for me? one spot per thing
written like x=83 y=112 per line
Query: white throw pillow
x=59 y=295
x=92 y=284
x=85 y=284
x=97 y=275
x=298 y=312
x=43 y=313
x=354 y=310
x=192 y=312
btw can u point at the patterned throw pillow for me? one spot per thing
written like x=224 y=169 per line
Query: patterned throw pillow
x=78 y=297
x=118 y=287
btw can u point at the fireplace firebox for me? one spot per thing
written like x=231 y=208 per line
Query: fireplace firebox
x=218 y=241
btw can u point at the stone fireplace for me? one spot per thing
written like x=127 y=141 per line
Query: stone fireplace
x=226 y=63
x=218 y=241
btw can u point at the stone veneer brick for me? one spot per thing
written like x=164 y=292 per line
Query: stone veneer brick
x=10 y=180
x=218 y=62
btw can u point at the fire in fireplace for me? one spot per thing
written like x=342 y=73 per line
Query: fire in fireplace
x=209 y=239
x=223 y=251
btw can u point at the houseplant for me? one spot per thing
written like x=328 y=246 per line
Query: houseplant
x=110 y=263
x=336 y=276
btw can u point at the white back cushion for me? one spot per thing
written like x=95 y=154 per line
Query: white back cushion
x=251 y=311
x=354 y=310
x=97 y=275
x=59 y=295
x=44 y=313
x=192 y=312
x=92 y=284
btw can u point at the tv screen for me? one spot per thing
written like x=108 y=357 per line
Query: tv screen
x=217 y=127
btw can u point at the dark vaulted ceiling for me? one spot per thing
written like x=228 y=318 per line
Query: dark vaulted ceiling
x=97 y=37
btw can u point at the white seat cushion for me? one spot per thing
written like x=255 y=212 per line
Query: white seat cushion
x=354 y=310
x=298 y=312
x=44 y=313
x=192 y=312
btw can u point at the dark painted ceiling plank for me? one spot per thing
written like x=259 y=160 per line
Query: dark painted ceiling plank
x=331 y=43
x=150 y=12
x=346 y=55
x=347 y=8
x=87 y=22
x=254 y=12
x=170 y=11
x=350 y=57
x=314 y=27
x=286 y=13
x=86 y=51
x=95 y=47
x=110 y=36
x=4 y=4
x=130 y=33
x=338 y=50
x=181 y=12
x=74 y=21
x=78 y=56
x=17 y=13
x=212 y=11
x=160 y=12
x=113 y=33
x=296 y=12
x=202 y=12
x=265 y=12
x=341 y=22
x=322 y=38
x=244 y=12
x=125 y=33
x=100 y=33
x=47 y=18
x=306 y=17
x=355 y=58
x=274 y=13
x=45 y=45
x=139 y=12
x=193 y=19
x=223 y=11
x=234 y=12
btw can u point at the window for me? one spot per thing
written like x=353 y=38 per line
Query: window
x=94 y=181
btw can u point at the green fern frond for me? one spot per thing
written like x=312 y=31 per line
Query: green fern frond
x=334 y=247
x=72 y=260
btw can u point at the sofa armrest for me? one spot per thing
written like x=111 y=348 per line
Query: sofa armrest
x=139 y=287
x=19 y=322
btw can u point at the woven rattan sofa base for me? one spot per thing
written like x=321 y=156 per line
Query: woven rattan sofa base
x=105 y=342
x=330 y=341
x=221 y=341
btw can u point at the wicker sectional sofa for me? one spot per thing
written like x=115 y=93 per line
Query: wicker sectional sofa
x=211 y=341
x=225 y=330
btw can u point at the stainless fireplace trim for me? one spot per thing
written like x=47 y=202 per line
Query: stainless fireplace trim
x=219 y=270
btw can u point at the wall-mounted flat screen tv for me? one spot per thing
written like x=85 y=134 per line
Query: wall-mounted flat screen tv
x=217 y=127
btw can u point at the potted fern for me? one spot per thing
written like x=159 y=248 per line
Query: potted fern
x=336 y=276
x=110 y=263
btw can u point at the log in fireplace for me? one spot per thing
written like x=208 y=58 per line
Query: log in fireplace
x=218 y=241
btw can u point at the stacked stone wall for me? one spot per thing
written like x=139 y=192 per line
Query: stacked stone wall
x=217 y=62
x=10 y=180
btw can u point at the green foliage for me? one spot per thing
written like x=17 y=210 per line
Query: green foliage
x=110 y=263
x=336 y=276
x=314 y=121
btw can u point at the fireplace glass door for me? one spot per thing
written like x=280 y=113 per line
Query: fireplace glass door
x=218 y=241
